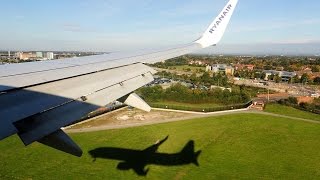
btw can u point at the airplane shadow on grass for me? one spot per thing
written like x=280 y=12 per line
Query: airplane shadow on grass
x=138 y=159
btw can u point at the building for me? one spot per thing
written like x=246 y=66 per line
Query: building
x=305 y=99
x=221 y=68
x=49 y=55
x=25 y=55
x=240 y=67
x=285 y=75
x=39 y=54
x=196 y=63
x=258 y=105
x=5 y=55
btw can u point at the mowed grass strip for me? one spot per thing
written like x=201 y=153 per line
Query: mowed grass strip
x=241 y=146
x=290 y=111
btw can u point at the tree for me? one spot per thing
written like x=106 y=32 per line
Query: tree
x=304 y=78
x=291 y=80
x=236 y=74
x=316 y=80
x=315 y=68
x=263 y=75
x=194 y=78
x=267 y=67
x=252 y=75
x=151 y=93
x=295 y=79
x=293 y=100
x=205 y=77
x=277 y=78
x=270 y=77
x=257 y=75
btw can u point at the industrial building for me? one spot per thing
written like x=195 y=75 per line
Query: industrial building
x=34 y=55
x=285 y=75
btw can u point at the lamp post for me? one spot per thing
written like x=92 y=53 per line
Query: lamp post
x=268 y=94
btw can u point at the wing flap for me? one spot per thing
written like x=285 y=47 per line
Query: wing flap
x=38 y=126
x=39 y=98
x=135 y=101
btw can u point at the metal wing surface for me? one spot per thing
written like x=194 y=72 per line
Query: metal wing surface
x=38 y=98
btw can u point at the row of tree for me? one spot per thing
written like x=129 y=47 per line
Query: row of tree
x=310 y=107
x=180 y=93
x=204 y=79
x=262 y=63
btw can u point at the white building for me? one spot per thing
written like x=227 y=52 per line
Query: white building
x=39 y=54
x=50 y=55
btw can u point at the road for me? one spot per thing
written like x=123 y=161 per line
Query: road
x=292 y=89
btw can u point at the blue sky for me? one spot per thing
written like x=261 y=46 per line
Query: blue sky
x=257 y=26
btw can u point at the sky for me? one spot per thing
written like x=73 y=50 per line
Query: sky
x=257 y=26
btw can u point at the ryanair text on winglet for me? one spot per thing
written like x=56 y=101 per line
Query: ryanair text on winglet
x=222 y=16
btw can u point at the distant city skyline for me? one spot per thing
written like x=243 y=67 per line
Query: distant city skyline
x=257 y=27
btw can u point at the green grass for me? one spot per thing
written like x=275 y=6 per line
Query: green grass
x=290 y=111
x=185 y=67
x=242 y=146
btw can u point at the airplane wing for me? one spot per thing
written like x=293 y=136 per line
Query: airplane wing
x=38 y=98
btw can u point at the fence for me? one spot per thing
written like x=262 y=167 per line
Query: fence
x=212 y=109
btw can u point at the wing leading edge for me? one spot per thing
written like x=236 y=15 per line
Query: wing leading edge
x=39 y=98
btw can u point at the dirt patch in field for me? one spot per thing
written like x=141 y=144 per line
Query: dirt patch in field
x=127 y=116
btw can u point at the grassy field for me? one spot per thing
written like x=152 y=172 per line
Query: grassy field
x=290 y=111
x=185 y=67
x=242 y=146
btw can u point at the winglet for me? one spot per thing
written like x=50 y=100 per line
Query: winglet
x=217 y=28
